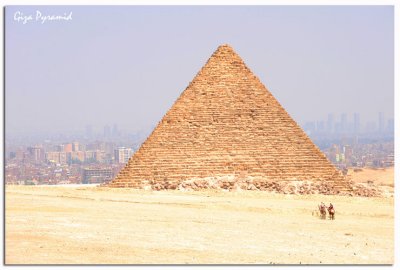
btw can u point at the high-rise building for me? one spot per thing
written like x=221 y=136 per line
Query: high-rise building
x=20 y=154
x=355 y=140
x=63 y=158
x=57 y=157
x=60 y=148
x=108 y=147
x=78 y=156
x=53 y=157
x=348 y=152
x=333 y=152
x=343 y=122
x=36 y=153
x=122 y=154
x=68 y=147
x=330 y=122
x=357 y=124
x=107 y=131
x=100 y=156
x=115 y=132
x=90 y=155
x=75 y=146
x=390 y=126
x=320 y=126
x=381 y=122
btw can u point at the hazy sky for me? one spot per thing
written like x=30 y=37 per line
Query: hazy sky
x=128 y=64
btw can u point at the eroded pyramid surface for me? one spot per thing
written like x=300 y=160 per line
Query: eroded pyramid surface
x=227 y=123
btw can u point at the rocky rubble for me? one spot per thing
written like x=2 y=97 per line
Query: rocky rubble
x=366 y=190
x=232 y=183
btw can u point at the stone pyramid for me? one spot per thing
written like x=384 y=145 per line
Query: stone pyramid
x=227 y=123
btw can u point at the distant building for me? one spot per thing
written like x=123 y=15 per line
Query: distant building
x=355 y=140
x=12 y=155
x=390 y=125
x=108 y=147
x=333 y=152
x=68 y=147
x=122 y=154
x=78 y=156
x=389 y=160
x=348 y=152
x=381 y=122
x=330 y=124
x=92 y=176
x=53 y=157
x=63 y=158
x=343 y=123
x=36 y=153
x=94 y=156
x=90 y=155
x=100 y=156
x=75 y=146
x=115 y=132
x=57 y=157
x=60 y=148
x=357 y=124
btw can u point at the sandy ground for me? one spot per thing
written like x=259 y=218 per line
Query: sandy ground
x=382 y=177
x=90 y=225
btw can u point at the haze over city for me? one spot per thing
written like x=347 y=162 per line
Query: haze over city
x=126 y=65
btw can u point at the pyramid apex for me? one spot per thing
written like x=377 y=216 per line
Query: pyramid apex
x=224 y=47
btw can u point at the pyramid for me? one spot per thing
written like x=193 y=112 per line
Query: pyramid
x=227 y=123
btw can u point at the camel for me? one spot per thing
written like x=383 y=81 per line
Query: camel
x=331 y=212
x=322 y=210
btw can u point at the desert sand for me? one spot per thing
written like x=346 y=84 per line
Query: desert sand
x=381 y=176
x=98 y=225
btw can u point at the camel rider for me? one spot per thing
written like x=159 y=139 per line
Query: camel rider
x=322 y=208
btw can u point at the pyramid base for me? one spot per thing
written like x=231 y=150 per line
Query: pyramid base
x=234 y=183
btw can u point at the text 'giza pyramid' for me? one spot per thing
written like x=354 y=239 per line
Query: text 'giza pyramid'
x=227 y=124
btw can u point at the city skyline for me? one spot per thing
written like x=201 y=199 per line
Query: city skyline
x=355 y=122
x=98 y=161
x=351 y=123
x=129 y=72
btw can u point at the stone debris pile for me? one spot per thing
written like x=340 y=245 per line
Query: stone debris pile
x=232 y=183
x=295 y=187
x=366 y=190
